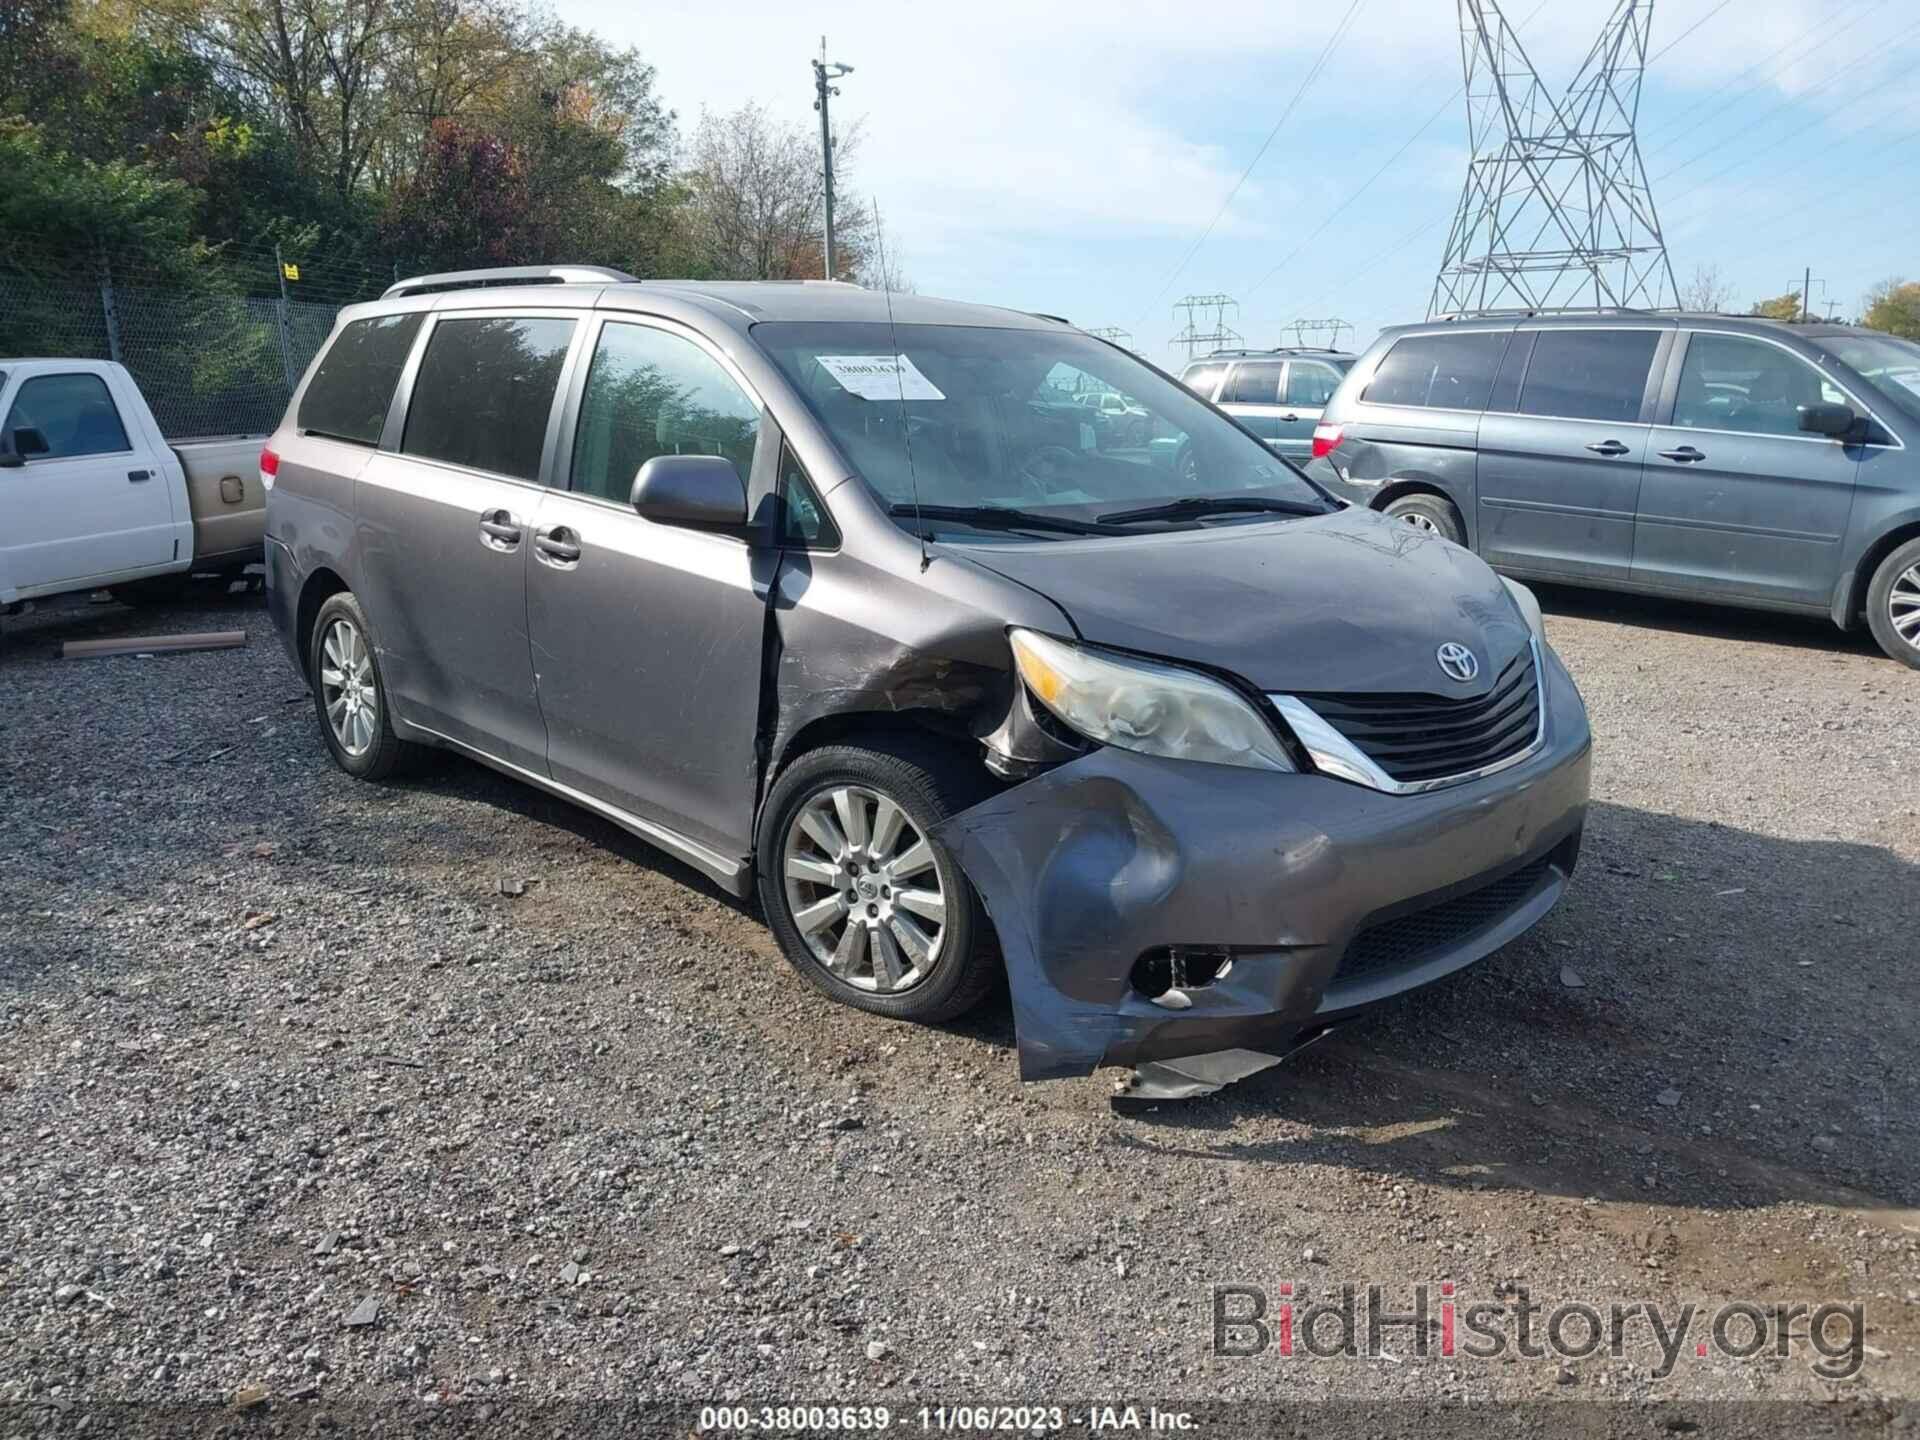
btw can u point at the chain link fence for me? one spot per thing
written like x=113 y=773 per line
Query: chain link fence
x=212 y=354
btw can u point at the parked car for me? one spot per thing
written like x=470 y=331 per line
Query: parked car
x=1127 y=422
x=1277 y=394
x=92 y=496
x=775 y=577
x=1751 y=462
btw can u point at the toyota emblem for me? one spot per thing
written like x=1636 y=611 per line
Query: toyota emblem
x=1457 y=660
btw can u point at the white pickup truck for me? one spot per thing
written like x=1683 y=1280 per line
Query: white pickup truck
x=91 y=495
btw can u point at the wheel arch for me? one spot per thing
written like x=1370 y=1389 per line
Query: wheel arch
x=1401 y=488
x=321 y=586
x=1850 y=601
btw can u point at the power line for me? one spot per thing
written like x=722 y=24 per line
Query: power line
x=1675 y=119
x=1746 y=126
x=1689 y=30
x=1405 y=146
x=1326 y=53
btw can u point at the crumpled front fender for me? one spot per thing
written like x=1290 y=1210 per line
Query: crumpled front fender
x=1089 y=865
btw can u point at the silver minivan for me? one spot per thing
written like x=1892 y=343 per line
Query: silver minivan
x=1277 y=394
x=839 y=598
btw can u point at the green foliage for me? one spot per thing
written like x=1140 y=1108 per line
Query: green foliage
x=1894 y=306
x=1781 y=307
x=56 y=206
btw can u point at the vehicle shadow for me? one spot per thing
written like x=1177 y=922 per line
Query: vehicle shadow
x=1710 y=1017
x=1687 y=617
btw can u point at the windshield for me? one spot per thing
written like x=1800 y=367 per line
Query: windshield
x=1048 y=423
x=1890 y=363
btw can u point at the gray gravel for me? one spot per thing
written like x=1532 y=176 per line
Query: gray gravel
x=310 y=1088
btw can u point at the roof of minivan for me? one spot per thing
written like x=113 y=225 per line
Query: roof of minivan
x=1658 y=319
x=738 y=303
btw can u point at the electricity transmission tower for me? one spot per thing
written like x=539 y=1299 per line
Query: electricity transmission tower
x=1114 y=334
x=1556 y=213
x=1217 y=335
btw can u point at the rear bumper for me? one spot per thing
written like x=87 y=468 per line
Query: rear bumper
x=1330 y=896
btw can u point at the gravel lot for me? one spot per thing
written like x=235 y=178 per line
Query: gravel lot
x=274 y=1043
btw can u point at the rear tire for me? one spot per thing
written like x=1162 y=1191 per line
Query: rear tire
x=349 y=695
x=866 y=905
x=1430 y=513
x=1893 y=604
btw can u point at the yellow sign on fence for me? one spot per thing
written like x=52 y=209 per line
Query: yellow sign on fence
x=291 y=271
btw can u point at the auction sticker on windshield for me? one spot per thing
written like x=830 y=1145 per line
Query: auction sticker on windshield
x=880 y=377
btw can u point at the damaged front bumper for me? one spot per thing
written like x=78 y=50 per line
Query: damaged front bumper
x=1327 y=896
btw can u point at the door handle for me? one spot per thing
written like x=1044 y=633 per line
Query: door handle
x=136 y=476
x=1290 y=418
x=499 y=530
x=558 y=547
x=1609 y=448
x=1686 y=454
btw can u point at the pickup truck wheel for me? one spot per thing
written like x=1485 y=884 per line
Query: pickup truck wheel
x=1429 y=513
x=349 y=695
x=867 y=906
x=1893 y=604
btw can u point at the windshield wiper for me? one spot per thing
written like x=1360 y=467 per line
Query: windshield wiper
x=997 y=517
x=1192 y=507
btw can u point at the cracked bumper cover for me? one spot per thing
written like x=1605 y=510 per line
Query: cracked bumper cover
x=1087 y=866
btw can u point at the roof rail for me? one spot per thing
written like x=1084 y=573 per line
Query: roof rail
x=508 y=275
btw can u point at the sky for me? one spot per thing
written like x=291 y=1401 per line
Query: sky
x=1099 y=161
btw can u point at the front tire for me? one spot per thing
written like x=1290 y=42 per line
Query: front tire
x=865 y=903
x=349 y=695
x=1893 y=604
x=1429 y=513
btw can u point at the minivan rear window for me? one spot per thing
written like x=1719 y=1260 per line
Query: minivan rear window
x=347 y=398
x=1443 y=372
x=485 y=392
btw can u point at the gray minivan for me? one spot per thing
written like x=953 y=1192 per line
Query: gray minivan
x=825 y=593
x=1708 y=457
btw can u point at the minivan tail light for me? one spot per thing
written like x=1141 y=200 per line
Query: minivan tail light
x=1326 y=438
x=269 y=468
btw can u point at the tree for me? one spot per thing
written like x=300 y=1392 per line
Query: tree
x=756 y=199
x=1708 y=291
x=1781 y=307
x=1894 y=306
x=468 y=204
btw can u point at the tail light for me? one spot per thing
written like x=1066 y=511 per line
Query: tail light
x=269 y=468
x=1326 y=438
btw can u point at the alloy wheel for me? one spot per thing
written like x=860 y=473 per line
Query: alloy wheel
x=1418 y=521
x=347 y=687
x=863 y=889
x=1903 y=605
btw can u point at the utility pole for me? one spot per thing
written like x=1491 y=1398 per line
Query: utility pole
x=825 y=72
x=1806 y=295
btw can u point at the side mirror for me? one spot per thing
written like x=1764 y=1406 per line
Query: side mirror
x=29 y=441
x=1834 y=420
x=690 y=490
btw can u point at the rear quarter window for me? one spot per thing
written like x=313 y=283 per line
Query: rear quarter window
x=1444 y=372
x=347 y=398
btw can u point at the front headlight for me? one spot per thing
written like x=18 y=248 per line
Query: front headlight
x=1138 y=705
x=1528 y=605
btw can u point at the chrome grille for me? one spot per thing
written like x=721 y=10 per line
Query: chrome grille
x=1414 y=737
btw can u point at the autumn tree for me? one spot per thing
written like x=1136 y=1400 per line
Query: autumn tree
x=1894 y=306
x=1780 y=307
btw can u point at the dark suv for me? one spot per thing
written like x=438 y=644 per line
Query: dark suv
x=1704 y=456
x=1277 y=394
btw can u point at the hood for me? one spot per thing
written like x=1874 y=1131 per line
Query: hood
x=1345 y=602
